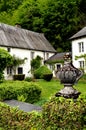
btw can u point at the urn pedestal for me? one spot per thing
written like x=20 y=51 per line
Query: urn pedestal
x=68 y=76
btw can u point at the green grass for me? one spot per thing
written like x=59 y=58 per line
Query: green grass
x=49 y=89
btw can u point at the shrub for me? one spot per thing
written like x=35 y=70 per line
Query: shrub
x=14 y=119
x=36 y=63
x=64 y=114
x=28 y=79
x=30 y=92
x=18 y=77
x=40 y=72
x=57 y=114
x=47 y=77
x=1 y=77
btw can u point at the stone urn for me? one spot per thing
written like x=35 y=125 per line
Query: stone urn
x=68 y=75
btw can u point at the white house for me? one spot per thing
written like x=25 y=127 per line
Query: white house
x=79 y=48
x=24 y=44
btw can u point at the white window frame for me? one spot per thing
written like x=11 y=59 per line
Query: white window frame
x=32 y=55
x=44 y=55
x=81 y=64
x=81 y=46
x=47 y=55
x=9 y=70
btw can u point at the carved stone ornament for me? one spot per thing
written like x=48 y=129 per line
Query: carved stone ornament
x=68 y=75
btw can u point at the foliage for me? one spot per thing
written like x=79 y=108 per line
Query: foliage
x=1 y=77
x=60 y=113
x=84 y=57
x=29 y=79
x=35 y=63
x=31 y=92
x=5 y=60
x=81 y=56
x=16 y=61
x=9 y=5
x=47 y=77
x=50 y=15
x=14 y=119
x=40 y=72
x=58 y=20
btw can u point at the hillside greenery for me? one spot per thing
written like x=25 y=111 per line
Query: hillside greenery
x=58 y=20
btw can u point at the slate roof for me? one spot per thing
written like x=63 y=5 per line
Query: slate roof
x=79 y=34
x=57 y=57
x=16 y=37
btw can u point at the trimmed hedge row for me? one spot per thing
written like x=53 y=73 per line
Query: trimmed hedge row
x=57 y=114
x=64 y=114
x=19 y=77
x=14 y=119
x=20 y=90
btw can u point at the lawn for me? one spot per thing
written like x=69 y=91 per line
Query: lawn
x=51 y=88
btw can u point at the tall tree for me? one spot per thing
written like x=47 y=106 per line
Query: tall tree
x=56 y=19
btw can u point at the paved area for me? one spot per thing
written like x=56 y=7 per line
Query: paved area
x=27 y=107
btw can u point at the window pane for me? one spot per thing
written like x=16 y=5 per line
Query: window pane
x=9 y=70
x=20 y=70
x=81 y=47
x=32 y=55
x=81 y=64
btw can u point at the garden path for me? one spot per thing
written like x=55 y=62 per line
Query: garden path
x=27 y=107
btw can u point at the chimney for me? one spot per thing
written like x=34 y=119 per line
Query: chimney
x=17 y=25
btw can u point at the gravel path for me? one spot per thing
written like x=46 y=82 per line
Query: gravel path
x=27 y=107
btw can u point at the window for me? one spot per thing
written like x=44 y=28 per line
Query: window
x=32 y=55
x=81 y=64
x=20 y=70
x=51 y=67
x=81 y=46
x=9 y=70
x=58 y=66
x=47 y=55
x=8 y=49
x=44 y=55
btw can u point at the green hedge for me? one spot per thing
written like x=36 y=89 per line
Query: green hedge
x=64 y=114
x=41 y=72
x=20 y=90
x=19 y=77
x=47 y=77
x=57 y=114
x=14 y=119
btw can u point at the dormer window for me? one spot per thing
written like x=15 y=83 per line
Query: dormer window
x=81 y=46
